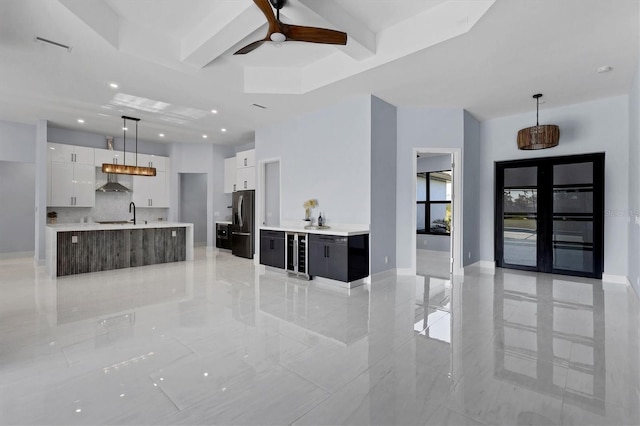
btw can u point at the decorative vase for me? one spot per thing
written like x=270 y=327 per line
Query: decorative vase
x=306 y=222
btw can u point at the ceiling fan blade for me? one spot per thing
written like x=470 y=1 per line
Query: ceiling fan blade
x=250 y=47
x=265 y=7
x=313 y=34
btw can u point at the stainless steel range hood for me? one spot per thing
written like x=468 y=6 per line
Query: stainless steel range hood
x=112 y=184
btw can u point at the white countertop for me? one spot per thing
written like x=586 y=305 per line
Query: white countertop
x=65 y=227
x=341 y=230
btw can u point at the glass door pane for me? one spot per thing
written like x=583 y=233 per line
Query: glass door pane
x=520 y=215
x=573 y=220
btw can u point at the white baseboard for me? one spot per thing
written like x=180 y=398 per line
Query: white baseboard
x=615 y=279
x=389 y=273
x=485 y=266
x=17 y=255
x=405 y=271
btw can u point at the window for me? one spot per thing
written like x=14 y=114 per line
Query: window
x=434 y=203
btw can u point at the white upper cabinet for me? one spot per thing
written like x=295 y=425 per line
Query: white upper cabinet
x=246 y=158
x=147 y=160
x=246 y=178
x=70 y=154
x=230 y=169
x=107 y=156
x=152 y=191
x=71 y=176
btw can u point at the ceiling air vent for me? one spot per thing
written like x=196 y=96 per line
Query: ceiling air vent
x=52 y=43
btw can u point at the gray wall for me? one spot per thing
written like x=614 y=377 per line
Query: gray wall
x=193 y=204
x=201 y=158
x=383 y=185
x=428 y=241
x=272 y=193
x=419 y=128
x=596 y=126
x=17 y=142
x=97 y=140
x=634 y=184
x=324 y=155
x=471 y=190
x=17 y=170
x=17 y=215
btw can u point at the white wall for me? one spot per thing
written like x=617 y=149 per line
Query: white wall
x=634 y=184
x=419 y=128
x=324 y=155
x=597 y=126
x=383 y=185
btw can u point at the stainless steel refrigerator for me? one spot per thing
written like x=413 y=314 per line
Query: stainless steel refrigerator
x=243 y=222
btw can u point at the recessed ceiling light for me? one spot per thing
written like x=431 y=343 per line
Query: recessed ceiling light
x=80 y=120
x=604 y=68
x=204 y=136
x=223 y=130
x=214 y=111
x=161 y=135
x=113 y=85
x=125 y=129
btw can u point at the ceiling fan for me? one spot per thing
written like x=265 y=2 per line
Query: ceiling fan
x=279 y=31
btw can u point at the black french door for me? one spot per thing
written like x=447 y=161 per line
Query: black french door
x=550 y=215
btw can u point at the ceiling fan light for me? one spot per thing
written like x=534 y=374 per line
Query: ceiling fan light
x=278 y=37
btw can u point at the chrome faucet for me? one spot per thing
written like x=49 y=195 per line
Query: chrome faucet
x=132 y=204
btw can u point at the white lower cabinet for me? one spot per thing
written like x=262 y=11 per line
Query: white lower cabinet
x=71 y=185
x=151 y=191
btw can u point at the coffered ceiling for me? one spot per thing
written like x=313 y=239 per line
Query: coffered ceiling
x=173 y=60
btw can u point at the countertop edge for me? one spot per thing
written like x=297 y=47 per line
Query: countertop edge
x=66 y=227
x=331 y=231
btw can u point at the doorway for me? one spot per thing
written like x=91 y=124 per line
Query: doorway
x=193 y=205
x=270 y=206
x=434 y=214
x=550 y=215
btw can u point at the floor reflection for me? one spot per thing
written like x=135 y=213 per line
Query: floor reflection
x=222 y=341
x=541 y=321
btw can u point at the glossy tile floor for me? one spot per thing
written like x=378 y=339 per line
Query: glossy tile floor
x=215 y=341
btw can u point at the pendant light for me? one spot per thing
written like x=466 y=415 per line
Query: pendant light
x=123 y=169
x=538 y=137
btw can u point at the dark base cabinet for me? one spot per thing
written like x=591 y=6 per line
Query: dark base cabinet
x=79 y=252
x=272 y=248
x=339 y=258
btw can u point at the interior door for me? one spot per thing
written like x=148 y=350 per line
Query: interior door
x=549 y=215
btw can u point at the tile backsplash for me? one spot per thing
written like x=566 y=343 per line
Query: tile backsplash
x=109 y=206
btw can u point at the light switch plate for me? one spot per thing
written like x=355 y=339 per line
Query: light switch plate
x=173 y=233
x=74 y=239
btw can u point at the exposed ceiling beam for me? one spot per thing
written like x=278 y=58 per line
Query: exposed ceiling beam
x=361 y=42
x=98 y=16
x=220 y=31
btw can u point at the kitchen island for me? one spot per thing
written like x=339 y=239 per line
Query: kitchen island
x=77 y=248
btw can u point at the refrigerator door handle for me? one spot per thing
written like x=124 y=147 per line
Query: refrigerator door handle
x=241 y=233
x=240 y=212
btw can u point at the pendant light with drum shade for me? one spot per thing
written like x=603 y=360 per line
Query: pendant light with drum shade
x=123 y=169
x=538 y=137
